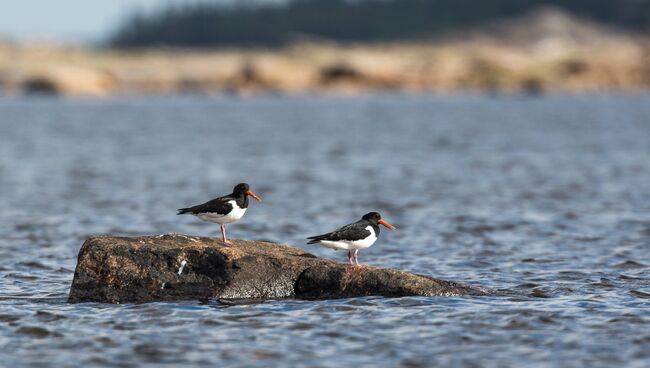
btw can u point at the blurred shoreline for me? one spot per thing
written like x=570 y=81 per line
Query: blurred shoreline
x=547 y=51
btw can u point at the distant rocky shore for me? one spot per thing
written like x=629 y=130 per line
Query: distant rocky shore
x=545 y=51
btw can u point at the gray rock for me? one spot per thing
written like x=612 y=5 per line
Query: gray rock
x=144 y=269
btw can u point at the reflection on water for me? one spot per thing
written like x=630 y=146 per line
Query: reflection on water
x=546 y=200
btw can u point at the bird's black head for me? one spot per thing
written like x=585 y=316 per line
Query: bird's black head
x=243 y=189
x=375 y=218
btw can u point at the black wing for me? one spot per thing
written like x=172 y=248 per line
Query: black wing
x=356 y=231
x=218 y=205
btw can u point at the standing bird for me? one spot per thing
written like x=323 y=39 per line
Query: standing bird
x=223 y=210
x=359 y=235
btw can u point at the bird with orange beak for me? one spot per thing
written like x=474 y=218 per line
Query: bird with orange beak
x=224 y=210
x=359 y=235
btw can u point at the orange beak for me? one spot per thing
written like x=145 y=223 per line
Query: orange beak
x=250 y=193
x=383 y=222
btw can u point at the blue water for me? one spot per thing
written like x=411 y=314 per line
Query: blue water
x=545 y=200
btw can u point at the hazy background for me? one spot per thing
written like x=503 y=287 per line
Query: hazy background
x=88 y=21
x=303 y=46
x=71 y=20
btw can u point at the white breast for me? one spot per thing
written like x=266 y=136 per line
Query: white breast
x=235 y=214
x=352 y=245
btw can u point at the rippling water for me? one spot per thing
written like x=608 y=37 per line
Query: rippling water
x=546 y=200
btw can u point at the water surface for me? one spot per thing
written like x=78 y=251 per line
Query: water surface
x=546 y=200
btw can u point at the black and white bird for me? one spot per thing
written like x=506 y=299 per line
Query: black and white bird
x=223 y=210
x=359 y=235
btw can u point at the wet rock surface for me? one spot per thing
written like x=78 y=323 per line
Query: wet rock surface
x=175 y=267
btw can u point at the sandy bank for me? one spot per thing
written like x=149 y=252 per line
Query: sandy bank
x=546 y=51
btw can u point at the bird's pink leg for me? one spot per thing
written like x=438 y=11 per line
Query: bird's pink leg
x=356 y=257
x=223 y=234
x=350 y=257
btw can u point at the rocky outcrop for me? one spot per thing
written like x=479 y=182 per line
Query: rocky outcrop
x=173 y=267
x=69 y=81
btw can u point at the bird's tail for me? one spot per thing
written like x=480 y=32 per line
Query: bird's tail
x=317 y=238
x=182 y=211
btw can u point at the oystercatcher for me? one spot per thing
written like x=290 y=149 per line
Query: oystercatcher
x=223 y=210
x=359 y=235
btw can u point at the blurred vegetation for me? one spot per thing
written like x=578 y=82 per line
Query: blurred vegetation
x=212 y=24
